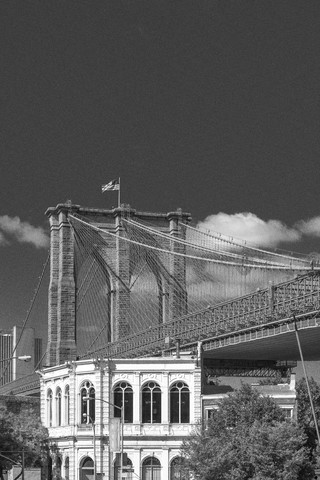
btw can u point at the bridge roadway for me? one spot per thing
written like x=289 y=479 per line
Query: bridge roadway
x=258 y=326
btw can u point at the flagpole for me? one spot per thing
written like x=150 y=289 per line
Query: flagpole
x=119 y=194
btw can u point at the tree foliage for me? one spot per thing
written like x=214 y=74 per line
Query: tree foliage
x=22 y=432
x=248 y=438
x=305 y=417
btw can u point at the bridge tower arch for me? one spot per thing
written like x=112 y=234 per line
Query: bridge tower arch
x=62 y=294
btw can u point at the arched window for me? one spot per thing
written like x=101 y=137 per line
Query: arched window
x=117 y=469
x=67 y=405
x=87 y=398
x=58 y=467
x=86 y=468
x=179 y=403
x=123 y=395
x=50 y=468
x=66 y=469
x=151 y=469
x=151 y=403
x=178 y=469
x=49 y=408
x=58 y=406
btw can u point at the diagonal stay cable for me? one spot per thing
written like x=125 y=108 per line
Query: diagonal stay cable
x=28 y=314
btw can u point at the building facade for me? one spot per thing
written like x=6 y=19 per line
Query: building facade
x=164 y=399
x=14 y=343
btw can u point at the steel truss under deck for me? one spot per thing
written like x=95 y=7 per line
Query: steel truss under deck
x=214 y=368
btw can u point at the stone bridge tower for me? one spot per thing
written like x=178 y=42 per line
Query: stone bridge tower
x=62 y=318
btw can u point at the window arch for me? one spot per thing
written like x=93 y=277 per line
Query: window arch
x=179 y=403
x=151 y=403
x=117 y=468
x=49 y=407
x=151 y=469
x=86 y=468
x=178 y=469
x=87 y=399
x=123 y=395
x=67 y=405
x=58 y=406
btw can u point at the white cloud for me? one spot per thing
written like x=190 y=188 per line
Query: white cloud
x=23 y=232
x=3 y=240
x=247 y=226
x=309 y=227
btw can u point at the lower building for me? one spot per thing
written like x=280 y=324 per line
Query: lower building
x=164 y=399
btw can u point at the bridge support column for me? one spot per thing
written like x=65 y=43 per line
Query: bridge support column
x=177 y=292
x=61 y=315
x=120 y=325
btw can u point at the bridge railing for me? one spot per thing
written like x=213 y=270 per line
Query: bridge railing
x=300 y=295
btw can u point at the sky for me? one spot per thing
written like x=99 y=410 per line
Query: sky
x=209 y=106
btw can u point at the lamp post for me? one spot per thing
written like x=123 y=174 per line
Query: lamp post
x=121 y=427
x=24 y=358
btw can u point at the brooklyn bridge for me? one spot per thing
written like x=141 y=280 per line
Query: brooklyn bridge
x=125 y=283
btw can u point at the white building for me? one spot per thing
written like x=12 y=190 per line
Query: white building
x=164 y=399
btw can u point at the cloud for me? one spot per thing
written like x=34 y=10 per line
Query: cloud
x=247 y=226
x=23 y=232
x=309 y=227
x=3 y=240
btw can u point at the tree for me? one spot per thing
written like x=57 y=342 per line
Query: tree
x=305 y=416
x=248 y=438
x=22 y=432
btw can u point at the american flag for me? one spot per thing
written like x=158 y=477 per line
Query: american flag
x=113 y=185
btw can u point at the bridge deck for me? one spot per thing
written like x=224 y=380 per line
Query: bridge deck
x=270 y=343
x=260 y=326
x=264 y=319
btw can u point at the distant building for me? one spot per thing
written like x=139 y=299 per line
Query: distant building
x=14 y=343
x=164 y=399
x=6 y=349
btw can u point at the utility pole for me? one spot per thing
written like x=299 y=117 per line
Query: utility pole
x=22 y=469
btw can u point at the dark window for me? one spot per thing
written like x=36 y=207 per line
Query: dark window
x=179 y=403
x=49 y=408
x=58 y=406
x=287 y=413
x=151 y=403
x=66 y=468
x=123 y=395
x=67 y=405
x=87 y=398
x=86 y=469
x=58 y=467
x=151 y=469
x=117 y=469
x=178 y=470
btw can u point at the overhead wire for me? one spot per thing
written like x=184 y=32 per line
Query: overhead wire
x=27 y=317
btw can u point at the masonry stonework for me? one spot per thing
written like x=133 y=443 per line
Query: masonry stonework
x=117 y=255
